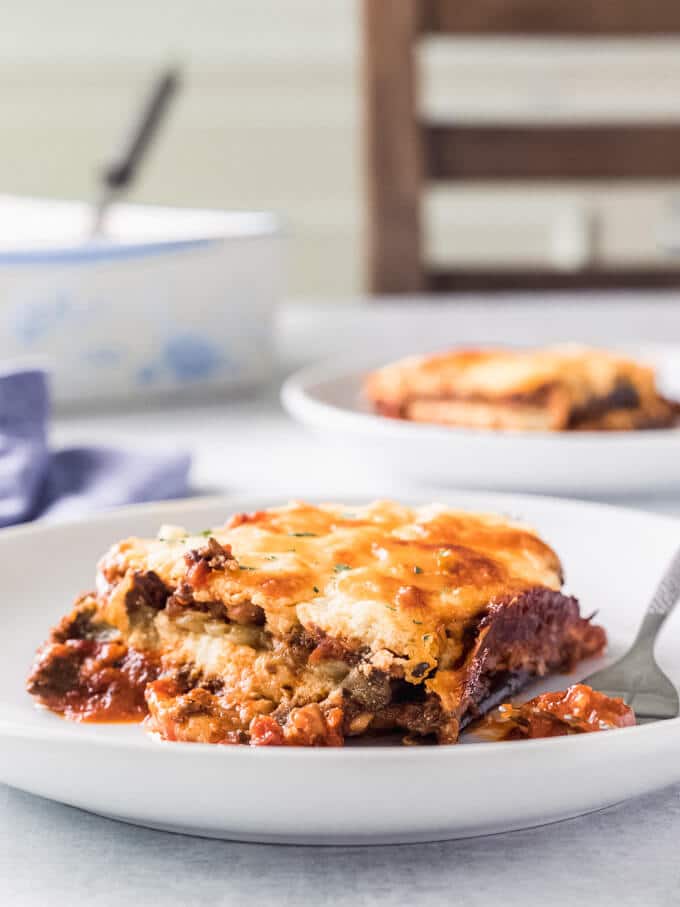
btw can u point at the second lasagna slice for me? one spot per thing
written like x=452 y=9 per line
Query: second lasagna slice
x=553 y=389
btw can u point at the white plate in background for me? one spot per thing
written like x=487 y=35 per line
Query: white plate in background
x=368 y=794
x=328 y=399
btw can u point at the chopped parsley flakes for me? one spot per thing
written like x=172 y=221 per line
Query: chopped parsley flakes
x=303 y=535
x=418 y=570
x=339 y=568
x=316 y=589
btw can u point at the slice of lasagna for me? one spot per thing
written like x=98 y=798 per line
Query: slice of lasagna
x=558 y=388
x=304 y=625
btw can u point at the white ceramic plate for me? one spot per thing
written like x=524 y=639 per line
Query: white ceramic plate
x=328 y=398
x=365 y=794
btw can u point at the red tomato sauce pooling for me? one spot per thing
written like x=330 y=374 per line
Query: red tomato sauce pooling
x=88 y=680
x=576 y=710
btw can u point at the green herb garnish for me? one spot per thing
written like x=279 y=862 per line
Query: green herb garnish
x=339 y=568
x=427 y=637
x=206 y=532
x=418 y=570
x=390 y=608
x=418 y=622
x=303 y=535
x=316 y=589
x=243 y=567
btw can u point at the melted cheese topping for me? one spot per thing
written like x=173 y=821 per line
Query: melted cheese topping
x=581 y=372
x=399 y=581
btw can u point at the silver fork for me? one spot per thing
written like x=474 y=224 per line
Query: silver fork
x=636 y=677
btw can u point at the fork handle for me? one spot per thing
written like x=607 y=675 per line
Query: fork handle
x=663 y=602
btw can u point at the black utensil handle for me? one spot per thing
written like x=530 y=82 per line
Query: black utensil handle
x=121 y=170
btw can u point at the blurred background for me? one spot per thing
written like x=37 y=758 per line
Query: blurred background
x=271 y=116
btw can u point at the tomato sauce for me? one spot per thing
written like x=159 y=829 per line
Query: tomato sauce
x=576 y=710
x=86 y=680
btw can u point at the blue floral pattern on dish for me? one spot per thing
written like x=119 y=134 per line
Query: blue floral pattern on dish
x=147 y=375
x=191 y=357
x=183 y=356
x=103 y=357
x=186 y=357
x=41 y=317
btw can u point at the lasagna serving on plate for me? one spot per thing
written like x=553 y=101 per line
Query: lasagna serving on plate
x=561 y=388
x=305 y=625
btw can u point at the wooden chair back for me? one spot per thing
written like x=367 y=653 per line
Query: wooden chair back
x=405 y=153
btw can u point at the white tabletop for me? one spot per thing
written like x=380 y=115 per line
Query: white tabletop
x=51 y=854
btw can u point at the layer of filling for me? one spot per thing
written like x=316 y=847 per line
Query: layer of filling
x=545 y=408
x=213 y=672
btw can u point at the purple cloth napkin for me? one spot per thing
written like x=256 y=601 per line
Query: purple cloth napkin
x=36 y=482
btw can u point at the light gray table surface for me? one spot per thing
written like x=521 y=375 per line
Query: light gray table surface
x=629 y=854
x=54 y=855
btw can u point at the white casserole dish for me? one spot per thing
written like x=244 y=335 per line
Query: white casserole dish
x=171 y=301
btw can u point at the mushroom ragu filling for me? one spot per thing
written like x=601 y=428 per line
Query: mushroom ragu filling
x=332 y=689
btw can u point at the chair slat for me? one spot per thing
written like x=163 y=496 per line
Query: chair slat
x=617 y=18
x=540 y=152
x=463 y=280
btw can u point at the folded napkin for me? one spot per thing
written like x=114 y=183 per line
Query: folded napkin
x=37 y=482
